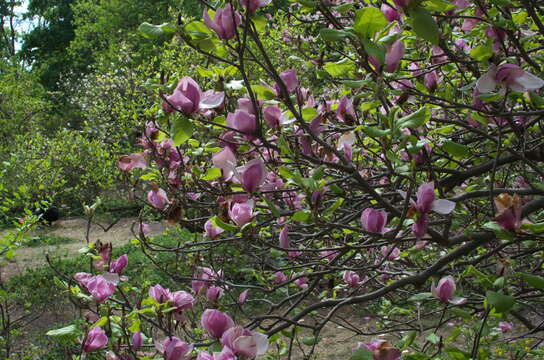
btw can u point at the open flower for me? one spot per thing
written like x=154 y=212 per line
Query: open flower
x=252 y=175
x=100 y=288
x=132 y=161
x=242 y=213
x=245 y=343
x=511 y=76
x=174 y=348
x=351 y=278
x=157 y=198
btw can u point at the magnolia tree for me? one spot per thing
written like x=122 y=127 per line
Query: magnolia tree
x=387 y=181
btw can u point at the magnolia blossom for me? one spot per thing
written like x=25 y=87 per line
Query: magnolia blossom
x=137 y=341
x=391 y=14
x=157 y=198
x=182 y=300
x=509 y=211
x=393 y=55
x=188 y=98
x=132 y=161
x=242 y=121
x=174 y=348
x=431 y=80
x=119 y=265
x=226 y=161
x=96 y=339
x=505 y=326
x=284 y=238
x=245 y=343
x=374 y=220
x=382 y=350
x=345 y=111
x=511 y=76
x=100 y=288
x=224 y=22
x=272 y=115
x=160 y=294
x=216 y=322
x=214 y=293
x=242 y=213
x=252 y=5
x=289 y=78
x=212 y=231
x=243 y=297
x=445 y=290
x=252 y=175
x=279 y=277
x=351 y=278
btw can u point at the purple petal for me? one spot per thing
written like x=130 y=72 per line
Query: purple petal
x=443 y=206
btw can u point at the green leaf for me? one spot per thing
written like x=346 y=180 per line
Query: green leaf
x=415 y=119
x=535 y=228
x=369 y=21
x=342 y=68
x=154 y=32
x=502 y=303
x=65 y=331
x=424 y=25
x=373 y=131
x=375 y=50
x=455 y=149
x=333 y=207
x=481 y=52
x=309 y=113
x=212 y=174
x=362 y=354
x=420 y=296
x=333 y=35
x=263 y=93
x=260 y=22
x=197 y=30
x=439 y=5
x=310 y=340
x=535 y=281
x=182 y=130
x=302 y=216
x=354 y=84
x=408 y=339
x=223 y=225
x=433 y=338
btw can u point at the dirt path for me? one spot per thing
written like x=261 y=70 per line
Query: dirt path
x=30 y=257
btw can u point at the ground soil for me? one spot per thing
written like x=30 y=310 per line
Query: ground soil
x=30 y=257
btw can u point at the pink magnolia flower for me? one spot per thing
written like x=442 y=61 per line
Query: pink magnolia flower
x=174 y=348
x=505 y=326
x=119 y=265
x=82 y=278
x=374 y=220
x=100 y=288
x=351 y=278
x=391 y=14
x=402 y=3
x=509 y=211
x=96 y=339
x=284 y=238
x=104 y=256
x=301 y=282
x=226 y=161
x=224 y=22
x=204 y=278
x=242 y=121
x=245 y=343
x=160 y=294
x=137 y=341
x=188 y=98
x=345 y=111
x=419 y=227
x=252 y=175
x=243 y=297
x=212 y=231
x=279 y=277
x=426 y=201
x=511 y=76
x=272 y=115
x=382 y=350
x=157 y=198
x=144 y=228
x=393 y=55
x=214 y=293
x=132 y=161
x=242 y=213
x=431 y=80
x=392 y=253
x=216 y=322
x=182 y=300
x=445 y=289
x=289 y=78
x=252 y=5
